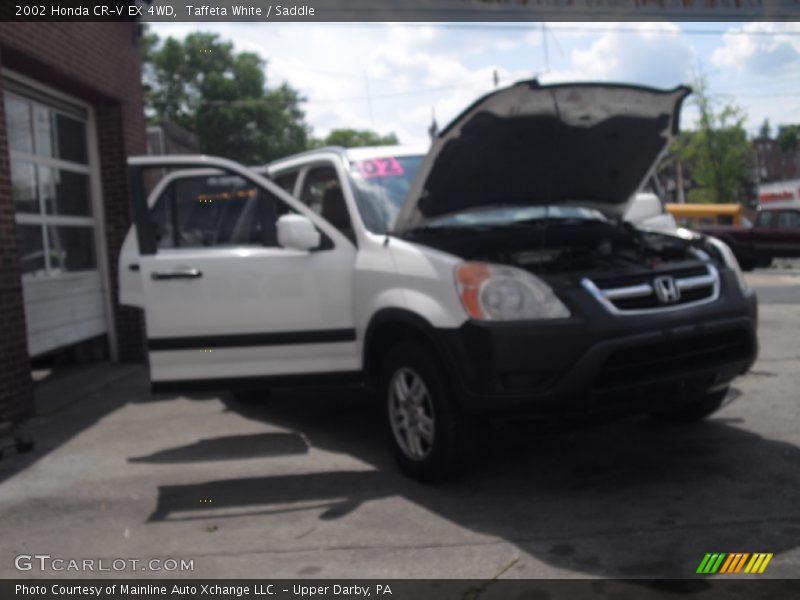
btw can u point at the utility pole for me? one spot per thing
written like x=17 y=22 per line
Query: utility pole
x=545 y=50
x=369 y=100
x=496 y=78
x=681 y=197
x=433 y=130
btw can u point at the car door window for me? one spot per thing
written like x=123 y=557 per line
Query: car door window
x=322 y=192
x=789 y=219
x=725 y=220
x=764 y=219
x=286 y=181
x=317 y=181
x=208 y=211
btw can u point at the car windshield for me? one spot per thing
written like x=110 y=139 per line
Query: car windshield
x=380 y=185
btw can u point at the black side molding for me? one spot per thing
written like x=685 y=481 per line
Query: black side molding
x=282 y=338
x=255 y=383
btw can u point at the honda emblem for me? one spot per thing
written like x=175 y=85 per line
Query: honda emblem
x=667 y=291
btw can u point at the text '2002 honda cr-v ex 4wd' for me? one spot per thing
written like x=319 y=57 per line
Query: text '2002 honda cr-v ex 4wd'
x=491 y=275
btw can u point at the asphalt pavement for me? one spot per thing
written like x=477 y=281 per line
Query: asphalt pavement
x=301 y=485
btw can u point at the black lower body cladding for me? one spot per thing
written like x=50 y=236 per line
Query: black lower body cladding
x=602 y=363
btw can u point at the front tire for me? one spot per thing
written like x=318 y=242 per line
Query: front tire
x=694 y=411
x=428 y=432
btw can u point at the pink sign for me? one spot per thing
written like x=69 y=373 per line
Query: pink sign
x=380 y=167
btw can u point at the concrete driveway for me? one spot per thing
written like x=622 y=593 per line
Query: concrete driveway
x=302 y=485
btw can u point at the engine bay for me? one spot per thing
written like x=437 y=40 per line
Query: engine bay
x=564 y=249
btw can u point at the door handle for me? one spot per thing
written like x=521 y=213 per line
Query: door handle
x=179 y=274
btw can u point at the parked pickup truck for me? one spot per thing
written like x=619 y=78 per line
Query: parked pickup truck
x=492 y=275
x=775 y=234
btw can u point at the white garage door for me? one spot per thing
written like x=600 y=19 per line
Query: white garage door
x=57 y=223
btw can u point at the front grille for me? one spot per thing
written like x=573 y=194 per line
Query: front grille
x=633 y=365
x=638 y=293
x=618 y=281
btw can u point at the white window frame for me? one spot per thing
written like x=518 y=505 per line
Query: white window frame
x=92 y=169
x=42 y=218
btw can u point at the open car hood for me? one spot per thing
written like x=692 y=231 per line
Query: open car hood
x=581 y=144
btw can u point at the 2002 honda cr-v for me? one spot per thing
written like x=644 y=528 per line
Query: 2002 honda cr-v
x=491 y=275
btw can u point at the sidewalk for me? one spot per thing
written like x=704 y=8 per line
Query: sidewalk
x=71 y=399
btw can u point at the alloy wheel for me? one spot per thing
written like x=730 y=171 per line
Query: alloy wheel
x=411 y=414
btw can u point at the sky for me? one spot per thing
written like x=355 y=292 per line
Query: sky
x=394 y=77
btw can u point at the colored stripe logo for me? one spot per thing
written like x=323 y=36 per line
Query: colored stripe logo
x=733 y=563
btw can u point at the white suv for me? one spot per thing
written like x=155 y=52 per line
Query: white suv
x=493 y=274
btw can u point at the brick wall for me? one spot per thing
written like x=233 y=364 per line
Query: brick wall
x=15 y=380
x=114 y=179
x=98 y=63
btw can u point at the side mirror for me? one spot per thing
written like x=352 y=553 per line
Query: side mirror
x=297 y=232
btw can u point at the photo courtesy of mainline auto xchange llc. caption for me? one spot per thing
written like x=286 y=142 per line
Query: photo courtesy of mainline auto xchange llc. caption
x=203 y=589
x=447 y=300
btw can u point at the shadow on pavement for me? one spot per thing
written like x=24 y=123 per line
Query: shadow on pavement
x=234 y=447
x=70 y=400
x=630 y=499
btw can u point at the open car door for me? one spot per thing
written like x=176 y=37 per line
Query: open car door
x=226 y=305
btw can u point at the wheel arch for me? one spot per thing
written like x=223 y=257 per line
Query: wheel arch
x=391 y=326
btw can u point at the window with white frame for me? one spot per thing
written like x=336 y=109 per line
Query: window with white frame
x=50 y=186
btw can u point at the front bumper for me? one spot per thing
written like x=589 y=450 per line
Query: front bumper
x=602 y=363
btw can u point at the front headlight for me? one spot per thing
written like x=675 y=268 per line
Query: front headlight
x=500 y=293
x=729 y=258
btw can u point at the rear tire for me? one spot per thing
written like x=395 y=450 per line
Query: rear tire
x=694 y=411
x=254 y=397
x=764 y=262
x=747 y=264
x=428 y=433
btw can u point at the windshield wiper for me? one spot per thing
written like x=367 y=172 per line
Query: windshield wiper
x=469 y=227
x=556 y=221
x=537 y=222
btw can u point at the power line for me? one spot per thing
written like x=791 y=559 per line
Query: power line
x=369 y=99
x=706 y=32
x=477 y=86
x=757 y=94
x=354 y=76
x=533 y=26
x=765 y=87
x=418 y=91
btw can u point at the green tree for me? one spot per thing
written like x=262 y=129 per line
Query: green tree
x=354 y=138
x=202 y=84
x=718 y=151
x=789 y=138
